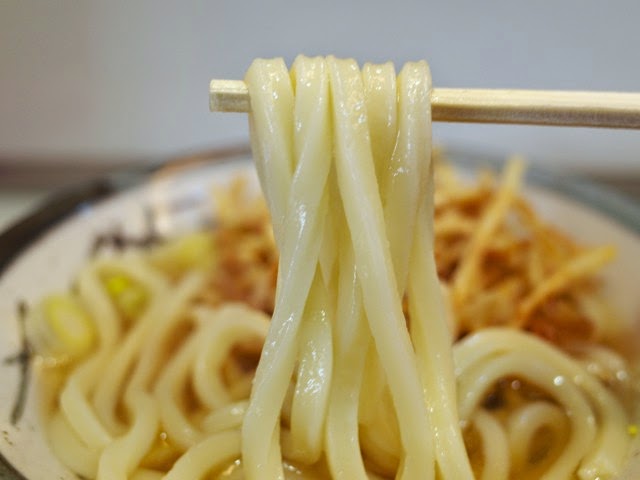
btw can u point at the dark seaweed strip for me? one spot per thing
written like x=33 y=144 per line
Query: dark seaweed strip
x=23 y=360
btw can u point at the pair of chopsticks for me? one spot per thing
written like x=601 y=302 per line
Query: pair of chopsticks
x=532 y=107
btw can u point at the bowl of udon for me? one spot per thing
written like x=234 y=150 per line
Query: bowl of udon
x=335 y=316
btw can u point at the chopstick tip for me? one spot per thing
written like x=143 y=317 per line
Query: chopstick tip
x=228 y=96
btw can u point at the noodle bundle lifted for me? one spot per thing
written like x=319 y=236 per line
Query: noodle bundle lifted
x=354 y=229
x=345 y=165
x=372 y=365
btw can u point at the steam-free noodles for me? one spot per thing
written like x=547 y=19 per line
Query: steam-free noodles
x=384 y=345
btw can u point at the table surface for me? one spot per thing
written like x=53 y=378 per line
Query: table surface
x=17 y=202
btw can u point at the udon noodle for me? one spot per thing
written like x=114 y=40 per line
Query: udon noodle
x=389 y=345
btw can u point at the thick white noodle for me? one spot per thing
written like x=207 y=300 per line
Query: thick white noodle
x=299 y=243
x=382 y=107
x=74 y=398
x=213 y=452
x=350 y=347
x=495 y=446
x=109 y=389
x=365 y=219
x=480 y=356
x=120 y=458
x=429 y=325
x=524 y=423
x=222 y=329
x=313 y=382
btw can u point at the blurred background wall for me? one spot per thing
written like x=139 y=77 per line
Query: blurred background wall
x=119 y=81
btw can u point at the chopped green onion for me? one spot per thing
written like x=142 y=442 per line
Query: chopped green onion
x=59 y=328
x=178 y=255
x=129 y=297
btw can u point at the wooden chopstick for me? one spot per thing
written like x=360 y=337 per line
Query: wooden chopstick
x=533 y=107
